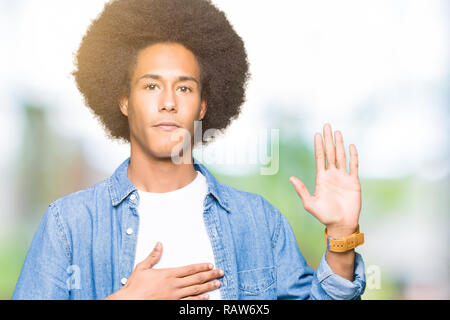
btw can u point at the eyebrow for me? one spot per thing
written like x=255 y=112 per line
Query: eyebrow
x=158 y=77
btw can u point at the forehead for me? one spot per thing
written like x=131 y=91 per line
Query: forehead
x=167 y=59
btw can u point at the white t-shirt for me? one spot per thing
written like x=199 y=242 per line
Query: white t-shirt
x=175 y=219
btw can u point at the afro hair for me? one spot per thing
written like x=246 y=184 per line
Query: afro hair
x=107 y=56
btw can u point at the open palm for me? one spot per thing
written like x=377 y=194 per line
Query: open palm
x=337 y=198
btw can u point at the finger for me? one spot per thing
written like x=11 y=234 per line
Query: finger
x=200 y=288
x=329 y=146
x=152 y=258
x=198 y=297
x=199 y=278
x=191 y=269
x=340 y=151
x=353 y=161
x=320 y=156
x=302 y=191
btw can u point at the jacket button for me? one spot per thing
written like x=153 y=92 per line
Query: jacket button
x=123 y=281
x=129 y=231
x=133 y=197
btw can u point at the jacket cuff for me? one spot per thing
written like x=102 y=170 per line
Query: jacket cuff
x=339 y=288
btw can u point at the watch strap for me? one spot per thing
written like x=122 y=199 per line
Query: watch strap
x=344 y=244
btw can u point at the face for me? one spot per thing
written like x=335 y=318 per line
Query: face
x=165 y=86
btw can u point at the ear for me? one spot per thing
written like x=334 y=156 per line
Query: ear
x=123 y=104
x=203 y=109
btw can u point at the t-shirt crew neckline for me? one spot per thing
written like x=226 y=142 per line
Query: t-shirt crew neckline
x=173 y=193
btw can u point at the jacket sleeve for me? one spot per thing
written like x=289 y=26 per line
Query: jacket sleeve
x=296 y=280
x=44 y=274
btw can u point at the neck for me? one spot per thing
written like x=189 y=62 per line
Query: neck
x=158 y=174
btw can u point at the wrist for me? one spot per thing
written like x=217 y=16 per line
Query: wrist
x=343 y=239
x=338 y=232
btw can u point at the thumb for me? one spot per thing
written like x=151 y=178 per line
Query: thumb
x=302 y=191
x=153 y=257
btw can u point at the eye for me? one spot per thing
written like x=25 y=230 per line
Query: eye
x=185 y=89
x=150 y=86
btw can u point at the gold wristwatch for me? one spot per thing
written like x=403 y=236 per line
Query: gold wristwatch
x=344 y=244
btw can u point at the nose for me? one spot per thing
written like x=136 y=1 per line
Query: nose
x=168 y=100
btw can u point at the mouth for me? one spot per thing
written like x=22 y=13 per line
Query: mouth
x=166 y=127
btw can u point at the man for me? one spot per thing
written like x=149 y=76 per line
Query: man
x=149 y=69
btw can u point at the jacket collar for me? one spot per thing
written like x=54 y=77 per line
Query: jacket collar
x=120 y=186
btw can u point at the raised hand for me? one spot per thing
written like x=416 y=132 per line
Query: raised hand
x=183 y=283
x=336 y=202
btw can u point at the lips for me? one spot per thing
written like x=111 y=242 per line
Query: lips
x=166 y=128
x=167 y=125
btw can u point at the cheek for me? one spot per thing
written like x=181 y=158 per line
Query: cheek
x=144 y=111
x=191 y=114
x=147 y=104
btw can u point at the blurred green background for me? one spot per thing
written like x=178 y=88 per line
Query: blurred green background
x=377 y=71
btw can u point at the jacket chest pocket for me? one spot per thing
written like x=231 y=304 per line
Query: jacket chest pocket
x=257 y=283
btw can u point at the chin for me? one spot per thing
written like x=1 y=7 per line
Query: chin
x=165 y=150
x=161 y=146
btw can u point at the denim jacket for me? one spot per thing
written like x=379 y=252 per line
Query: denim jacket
x=82 y=250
